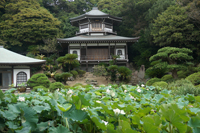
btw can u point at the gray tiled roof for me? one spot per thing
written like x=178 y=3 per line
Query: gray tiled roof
x=8 y=57
x=99 y=38
x=95 y=13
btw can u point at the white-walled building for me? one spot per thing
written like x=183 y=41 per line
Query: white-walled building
x=15 y=68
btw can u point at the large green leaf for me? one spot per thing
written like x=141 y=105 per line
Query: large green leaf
x=12 y=125
x=39 y=108
x=149 y=124
x=24 y=130
x=44 y=125
x=78 y=116
x=8 y=115
x=59 y=129
x=31 y=117
x=194 y=123
x=171 y=116
x=64 y=107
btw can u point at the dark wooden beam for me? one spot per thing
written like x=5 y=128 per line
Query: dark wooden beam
x=126 y=51
x=86 y=51
x=68 y=49
x=115 y=49
x=109 y=51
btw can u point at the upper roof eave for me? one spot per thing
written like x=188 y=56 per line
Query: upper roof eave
x=84 y=16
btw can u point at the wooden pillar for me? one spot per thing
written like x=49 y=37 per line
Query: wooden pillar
x=80 y=51
x=109 y=51
x=115 y=49
x=12 y=74
x=126 y=56
x=86 y=52
x=86 y=66
x=68 y=49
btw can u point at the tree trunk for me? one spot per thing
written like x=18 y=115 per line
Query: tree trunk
x=174 y=74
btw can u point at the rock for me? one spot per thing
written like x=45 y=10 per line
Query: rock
x=94 y=83
x=93 y=80
x=71 y=79
x=141 y=73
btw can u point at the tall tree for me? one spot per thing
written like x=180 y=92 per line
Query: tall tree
x=173 y=58
x=26 y=23
x=171 y=28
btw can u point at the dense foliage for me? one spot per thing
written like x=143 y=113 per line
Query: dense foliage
x=122 y=109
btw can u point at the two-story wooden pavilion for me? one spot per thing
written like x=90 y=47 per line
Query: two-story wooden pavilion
x=96 y=41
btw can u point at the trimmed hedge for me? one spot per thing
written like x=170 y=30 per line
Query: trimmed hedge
x=40 y=87
x=167 y=77
x=38 y=80
x=194 y=78
x=161 y=84
x=56 y=85
x=74 y=73
x=152 y=80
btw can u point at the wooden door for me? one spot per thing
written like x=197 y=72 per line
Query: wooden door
x=97 y=54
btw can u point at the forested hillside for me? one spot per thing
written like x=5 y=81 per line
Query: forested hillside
x=26 y=26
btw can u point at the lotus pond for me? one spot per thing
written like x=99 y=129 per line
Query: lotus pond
x=107 y=109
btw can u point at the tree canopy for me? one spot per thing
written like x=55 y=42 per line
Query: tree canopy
x=26 y=22
x=171 y=28
x=172 y=58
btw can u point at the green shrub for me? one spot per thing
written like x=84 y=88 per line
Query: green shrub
x=38 y=80
x=155 y=72
x=81 y=72
x=65 y=76
x=182 y=87
x=56 y=85
x=99 y=70
x=194 y=78
x=47 y=73
x=113 y=71
x=58 y=77
x=125 y=73
x=182 y=74
x=67 y=87
x=40 y=87
x=161 y=84
x=167 y=77
x=152 y=80
x=77 y=84
x=74 y=73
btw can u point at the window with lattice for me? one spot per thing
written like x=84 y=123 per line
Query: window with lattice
x=21 y=77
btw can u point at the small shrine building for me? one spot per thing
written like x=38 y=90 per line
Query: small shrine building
x=15 y=68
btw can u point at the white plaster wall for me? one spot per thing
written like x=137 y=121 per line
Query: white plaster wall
x=108 y=29
x=123 y=53
x=16 y=71
x=78 y=52
x=96 y=34
x=84 y=30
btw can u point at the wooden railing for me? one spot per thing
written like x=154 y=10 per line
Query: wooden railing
x=101 y=57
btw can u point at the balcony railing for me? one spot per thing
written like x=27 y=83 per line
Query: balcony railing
x=101 y=57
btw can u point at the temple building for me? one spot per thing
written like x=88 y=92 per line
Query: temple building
x=15 y=68
x=96 y=41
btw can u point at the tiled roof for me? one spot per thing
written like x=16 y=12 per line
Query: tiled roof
x=95 y=13
x=8 y=57
x=97 y=38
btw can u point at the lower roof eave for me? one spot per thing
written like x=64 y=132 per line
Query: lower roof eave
x=29 y=63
